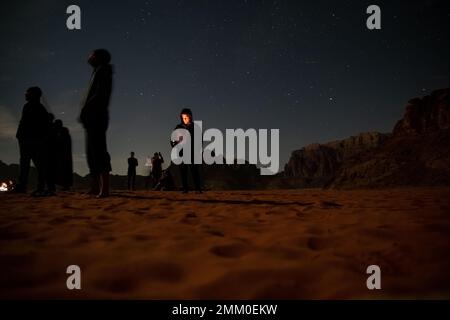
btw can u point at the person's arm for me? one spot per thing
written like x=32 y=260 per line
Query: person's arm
x=162 y=159
x=21 y=127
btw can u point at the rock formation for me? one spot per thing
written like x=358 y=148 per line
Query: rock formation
x=317 y=163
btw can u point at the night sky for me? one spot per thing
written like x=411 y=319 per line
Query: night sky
x=309 y=68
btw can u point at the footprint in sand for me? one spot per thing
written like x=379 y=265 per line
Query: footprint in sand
x=317 y=243
x=190 y=218
x=104 y=217
x=216 y=233
x=230 y=251
x=58 y=220
x=330 y=205
x=142 y=237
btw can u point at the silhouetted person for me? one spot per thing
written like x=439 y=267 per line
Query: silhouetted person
x=157 y=161
x=62 y=160
x=33 y=136
x=148 y=174
x=50 y=160
x=95 y=119
x=166 y=182
x=132 y=164
x=187 y=123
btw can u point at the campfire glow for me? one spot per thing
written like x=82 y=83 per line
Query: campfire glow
x=5 y=186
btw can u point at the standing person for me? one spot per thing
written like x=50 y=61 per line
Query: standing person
x=33 y=137
x=95 y=119
x=63 y=156
x=187 y=123
x=166 y=182
x=157 y=161
x=132 y=164
x=148 y=172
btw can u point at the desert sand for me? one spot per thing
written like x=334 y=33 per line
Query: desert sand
x=285 y=244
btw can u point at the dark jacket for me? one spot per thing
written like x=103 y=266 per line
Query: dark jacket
x=63 y=157
x=190 y=128
x=34 y=123
x=94 y=112
x=132 y=164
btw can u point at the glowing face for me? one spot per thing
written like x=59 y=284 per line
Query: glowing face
x=186 y=118
x=92 y=60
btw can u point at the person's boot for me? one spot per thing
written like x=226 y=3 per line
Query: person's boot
x=95 y=185
x=104 y=191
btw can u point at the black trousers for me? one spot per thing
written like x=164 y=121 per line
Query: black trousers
x=38 y=152
x=131 y=181
x=195 y=171
x=156 y=176
x=98 y=158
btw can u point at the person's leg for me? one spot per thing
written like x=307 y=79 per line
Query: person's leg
x=134 y=182
x=129 y=182
x=25 y=158
x=104 y=187
x=196 y=177
x=147 y=182
x=48 y=161
x=184 y=177
x=156 y=178
x=95 y=184
x=37 y=156
x=90 y=156
x=104 y=162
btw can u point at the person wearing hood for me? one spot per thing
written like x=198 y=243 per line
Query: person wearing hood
x=33 y=136
x=131 y=173
x=157 y=161
x=63 y=155
x=95 y=119
x=187 y=123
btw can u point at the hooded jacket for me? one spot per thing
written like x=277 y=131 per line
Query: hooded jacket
x=34 y=123
x=94 y=112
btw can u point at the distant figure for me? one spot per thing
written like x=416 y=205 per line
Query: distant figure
x=157 y=161
x=132 y=164
x=148 y=172
x=63 y=156
x=51 y=160
x=166 y=182
x=187 y=122
x=33 y=136
x=95 y=119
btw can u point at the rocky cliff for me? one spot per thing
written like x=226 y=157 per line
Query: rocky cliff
x=417 y=152
x=317 y=164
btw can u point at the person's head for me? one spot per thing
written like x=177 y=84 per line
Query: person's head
x=33 y=94
x=132 y=154
x=58 y=123
x=155 y=154
x=99 y=57
x=186 y=116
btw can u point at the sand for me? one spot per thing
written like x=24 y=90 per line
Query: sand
x=286 y=244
